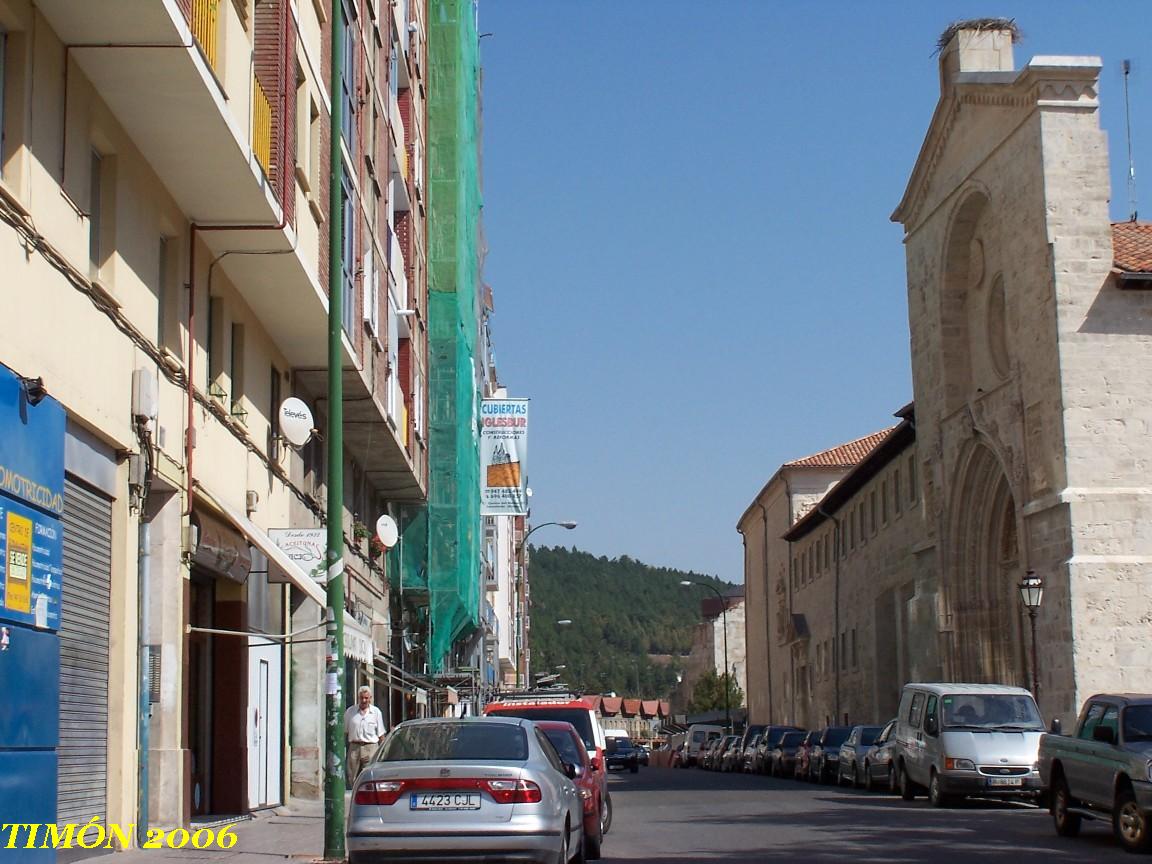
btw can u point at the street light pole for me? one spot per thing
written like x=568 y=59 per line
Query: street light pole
x=727 y=681
x=1031 y=595
x=520 y=593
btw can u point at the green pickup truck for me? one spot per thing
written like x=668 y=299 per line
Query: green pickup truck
x=1103 y=770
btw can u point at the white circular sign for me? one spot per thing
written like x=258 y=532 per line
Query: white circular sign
x=296 y=421
x=386 y=531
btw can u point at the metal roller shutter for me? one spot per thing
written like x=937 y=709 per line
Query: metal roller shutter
x=84 y=655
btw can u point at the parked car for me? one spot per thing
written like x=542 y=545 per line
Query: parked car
x=568 y=708
x=621 y=752
x=824 y=758
x=762 y=761
x=569 y=745
x=782 y=757
x=878 y=770
x=749 y=754
x=851 y=763
x=730 y=754
x=751 y=733
x=642 y=754
x=1103 y=770
x=967 y=739
x=803 y=753
x=708 y=753
x=489 y=787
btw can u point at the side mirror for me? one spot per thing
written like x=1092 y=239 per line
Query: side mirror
x=1104 y=734
x=1056 y=728
x=932 y=725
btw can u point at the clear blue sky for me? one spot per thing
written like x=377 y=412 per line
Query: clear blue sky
x=687 y=212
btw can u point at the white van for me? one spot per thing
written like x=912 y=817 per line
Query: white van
x=956 y=740
x=699 y=735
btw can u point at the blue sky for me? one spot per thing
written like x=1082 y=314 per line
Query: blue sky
x=687 y=213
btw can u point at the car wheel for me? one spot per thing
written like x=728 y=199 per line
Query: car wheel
x=1130 y=822
x=592 y=845
x=581 y=853
x=563 y=857
x=869 y=783
x=1067 y=824
x=605 y=814
x=936 y=794
x=907 y=791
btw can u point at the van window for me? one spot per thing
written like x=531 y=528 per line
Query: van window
x=930 y=709
x=698 y=736
x=916 y=711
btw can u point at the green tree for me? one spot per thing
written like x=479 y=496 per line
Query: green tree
x=708 y=694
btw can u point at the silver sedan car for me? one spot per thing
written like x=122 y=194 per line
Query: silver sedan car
x=479 y=789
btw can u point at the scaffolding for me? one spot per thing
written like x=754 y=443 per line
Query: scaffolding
x=453 y=283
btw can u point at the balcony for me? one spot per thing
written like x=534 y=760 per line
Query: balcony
x=166 y=94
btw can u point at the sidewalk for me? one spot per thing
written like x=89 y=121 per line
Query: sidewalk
x=293 y=833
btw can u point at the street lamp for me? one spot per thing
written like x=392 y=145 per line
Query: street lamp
x=727 y=683
x=1031 y=595
x=520 y=597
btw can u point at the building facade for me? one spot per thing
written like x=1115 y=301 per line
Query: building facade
x=1025 y=309
x=166 y=228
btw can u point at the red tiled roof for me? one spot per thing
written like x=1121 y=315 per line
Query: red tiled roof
x=844 y=456
x=1132 y=246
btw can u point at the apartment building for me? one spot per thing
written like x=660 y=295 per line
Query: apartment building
x=166 y=239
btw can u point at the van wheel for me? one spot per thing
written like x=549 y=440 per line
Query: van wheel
x=936 y=794
x=1130 y=822
x=907 y=790
x=1066 y=824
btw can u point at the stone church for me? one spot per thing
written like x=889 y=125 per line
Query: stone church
x=1030 y=316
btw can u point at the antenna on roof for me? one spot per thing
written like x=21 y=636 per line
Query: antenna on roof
x=1126 y=66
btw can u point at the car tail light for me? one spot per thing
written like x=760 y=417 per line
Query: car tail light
x=514 y=791
x=379 y=792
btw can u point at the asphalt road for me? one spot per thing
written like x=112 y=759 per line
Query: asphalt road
x=664 y=814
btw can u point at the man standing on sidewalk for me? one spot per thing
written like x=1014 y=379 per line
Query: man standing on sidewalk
x=363 y=727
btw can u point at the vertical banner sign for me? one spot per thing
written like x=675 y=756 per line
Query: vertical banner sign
x=504 y=457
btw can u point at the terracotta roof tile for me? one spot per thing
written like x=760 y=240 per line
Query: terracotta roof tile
x=1132 y=246
x=844 y=456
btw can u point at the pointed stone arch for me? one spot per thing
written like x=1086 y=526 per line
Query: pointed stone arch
x=983 y=570
x=964 y=272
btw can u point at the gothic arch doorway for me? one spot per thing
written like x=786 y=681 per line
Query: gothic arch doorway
x=982 y=604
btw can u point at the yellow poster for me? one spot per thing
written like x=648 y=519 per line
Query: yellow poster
x=18 y=561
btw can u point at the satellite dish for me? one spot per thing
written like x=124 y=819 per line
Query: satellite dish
x=296 y=421
x=386 y=531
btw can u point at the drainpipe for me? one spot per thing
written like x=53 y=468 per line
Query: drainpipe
x=143 y=577
x=838 y=649
x=768 y=612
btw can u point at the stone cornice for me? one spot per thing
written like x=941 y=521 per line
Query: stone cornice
x=1046 y=82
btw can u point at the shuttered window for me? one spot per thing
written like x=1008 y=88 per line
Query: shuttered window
x=82 y=791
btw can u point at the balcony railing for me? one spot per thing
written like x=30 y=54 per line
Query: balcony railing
x=261 y=127
x=206 y=27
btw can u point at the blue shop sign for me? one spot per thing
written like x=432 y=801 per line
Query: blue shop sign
x=31 y=502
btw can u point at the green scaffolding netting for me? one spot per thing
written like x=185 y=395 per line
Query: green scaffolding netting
x=453 y=280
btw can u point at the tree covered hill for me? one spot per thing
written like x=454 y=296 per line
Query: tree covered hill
x=630 y=622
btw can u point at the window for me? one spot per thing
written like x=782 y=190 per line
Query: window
x=165 y=302
x=237 y=368
x=304 y=152
x=215 y=344
x=95 y=205
x=348 y=264
x=916 y=709
x=394 y=65
x=348 y=79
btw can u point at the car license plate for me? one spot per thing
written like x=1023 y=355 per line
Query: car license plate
x=444 y=801
x=1005 y=781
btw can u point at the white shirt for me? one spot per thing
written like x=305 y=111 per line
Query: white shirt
x=364 y=727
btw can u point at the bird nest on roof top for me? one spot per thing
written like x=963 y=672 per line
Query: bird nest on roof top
x=980 y=25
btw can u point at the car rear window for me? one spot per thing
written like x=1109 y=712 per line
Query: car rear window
x=868 y=736
x=791 y=739
x=565 y=745
x=836 y=736
x=473 y=741
x=578 y=717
